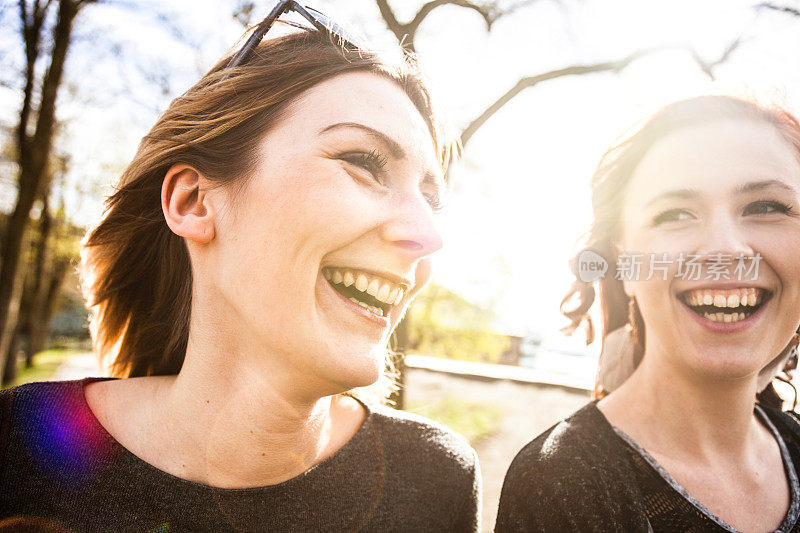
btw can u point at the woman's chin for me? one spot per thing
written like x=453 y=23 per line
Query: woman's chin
x=358 y=371
x=727 y=366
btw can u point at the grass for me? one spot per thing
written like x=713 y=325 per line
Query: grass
x=45 y=364
x=474 y=420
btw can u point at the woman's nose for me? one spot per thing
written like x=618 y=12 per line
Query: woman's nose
x=723 y=236
x=413 y=227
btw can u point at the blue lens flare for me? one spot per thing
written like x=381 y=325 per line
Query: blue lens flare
x=65 y=440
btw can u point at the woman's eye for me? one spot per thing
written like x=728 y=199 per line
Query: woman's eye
x=672 y=215
x=373 y=162
x=766 y=207
x=434 y=200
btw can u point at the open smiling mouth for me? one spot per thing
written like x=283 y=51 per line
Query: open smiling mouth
x=725 y=305
x=375 y=294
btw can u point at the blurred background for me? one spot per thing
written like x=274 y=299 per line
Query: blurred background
x=536 y=90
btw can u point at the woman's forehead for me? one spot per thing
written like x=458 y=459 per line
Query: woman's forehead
x=365 y=98
x=357 y=105
x=718 y=157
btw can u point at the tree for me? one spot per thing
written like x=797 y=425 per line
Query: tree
x=491 y=12
x=53 y=247
x=447 y=325
x=406 y=32
x=34 y=138
x=57 y=247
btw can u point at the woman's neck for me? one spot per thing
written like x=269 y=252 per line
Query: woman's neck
x=668 y=410
x=241 y=422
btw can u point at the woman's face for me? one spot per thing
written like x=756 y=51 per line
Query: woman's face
x=318 y=257
x=713 y=192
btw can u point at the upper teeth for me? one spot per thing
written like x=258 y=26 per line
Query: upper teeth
x=381 y=289
x=748 y=296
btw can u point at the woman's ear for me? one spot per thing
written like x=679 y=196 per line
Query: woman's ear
x=186 y=207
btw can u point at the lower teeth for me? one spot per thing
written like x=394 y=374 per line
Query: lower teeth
x=375 y=310
x=724 y=317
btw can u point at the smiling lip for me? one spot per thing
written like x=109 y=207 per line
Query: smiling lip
x=725 y=327
x=382 y=321
x=721 y=285
x=405 y=283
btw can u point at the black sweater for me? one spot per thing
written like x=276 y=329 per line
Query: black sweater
x=399 y=472
x=580 y=475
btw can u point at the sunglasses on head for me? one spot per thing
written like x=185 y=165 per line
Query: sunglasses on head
x=318 y=21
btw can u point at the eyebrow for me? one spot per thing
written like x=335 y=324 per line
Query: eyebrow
x=761 y=185
x=675 y=193
x=395 y=148
x=742 y=189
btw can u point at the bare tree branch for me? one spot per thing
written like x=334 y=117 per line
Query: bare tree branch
x=31 y=28
x=244 y=13
x=490 y=12
x=530 y=81
x=708 y=66
x=394 y=25
x=775 y=7
x=577 y=70
x=406 y=32
x=486 y=12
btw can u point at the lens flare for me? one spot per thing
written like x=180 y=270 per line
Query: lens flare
x=63 y=438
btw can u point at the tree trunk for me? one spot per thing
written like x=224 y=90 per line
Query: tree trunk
x=10 y=361
x=43 y=273
x=11 y=283
x=34 y=154
x=38 y=343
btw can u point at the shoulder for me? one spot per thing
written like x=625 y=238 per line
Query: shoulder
x=37 y=415
x=21 y=401
x=787 y=422
x=47 y=398
x=435 y=460
x=40 y=387
x=573 y=447
x=564 y=458
x=574 y=475
x=431 y=442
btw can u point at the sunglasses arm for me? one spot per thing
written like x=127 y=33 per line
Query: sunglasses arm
x=259 y=33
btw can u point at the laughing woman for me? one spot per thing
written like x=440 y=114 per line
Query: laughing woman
x=686 y=433
x=266 y=239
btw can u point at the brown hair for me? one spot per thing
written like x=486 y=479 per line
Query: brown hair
x=136 y=271
x=609 y=185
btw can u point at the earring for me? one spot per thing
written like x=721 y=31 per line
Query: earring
x=617 y=360
x=634 y=320
x=791 y=363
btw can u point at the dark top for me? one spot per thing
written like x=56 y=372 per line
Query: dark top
x=399 y=472
x=583 y=474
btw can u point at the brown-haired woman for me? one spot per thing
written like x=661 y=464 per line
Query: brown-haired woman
x=246 y=275
x=687 y=432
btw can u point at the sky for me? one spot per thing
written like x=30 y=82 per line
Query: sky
x=520 y=200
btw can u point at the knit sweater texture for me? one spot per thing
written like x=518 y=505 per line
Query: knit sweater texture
x=582 y=475
x=60 y=467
